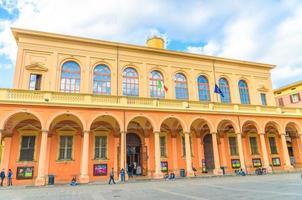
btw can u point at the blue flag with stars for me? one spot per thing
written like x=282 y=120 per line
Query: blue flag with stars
x=218 y=90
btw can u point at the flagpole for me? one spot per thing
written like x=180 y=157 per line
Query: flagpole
x=214 y=74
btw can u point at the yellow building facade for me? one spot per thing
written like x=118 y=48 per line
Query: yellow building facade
x=80 y=107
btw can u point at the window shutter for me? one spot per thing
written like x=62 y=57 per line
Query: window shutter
x=299 y=97
x=291 y=98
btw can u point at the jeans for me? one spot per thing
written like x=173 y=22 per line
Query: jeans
x=2 y=179
x=122 y=177
x=10 y=182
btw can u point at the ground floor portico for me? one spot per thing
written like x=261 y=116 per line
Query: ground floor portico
x=39 y=140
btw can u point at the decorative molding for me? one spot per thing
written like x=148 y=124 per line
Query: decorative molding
x=262 y=88
x=36 y=66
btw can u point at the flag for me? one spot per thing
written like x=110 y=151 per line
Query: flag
x=218 y=90
x=161 y=85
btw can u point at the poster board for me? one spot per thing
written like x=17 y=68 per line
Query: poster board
x=235 y=163
x=25 y=173
x=100 y=169
x=276 y=161
x=257 y=162
x=164 y=166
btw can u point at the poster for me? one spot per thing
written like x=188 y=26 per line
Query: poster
x=100 y=170
x=276 y=161
x=235 y=163
x=164 y=166
x=25 y=173
x=257 y=162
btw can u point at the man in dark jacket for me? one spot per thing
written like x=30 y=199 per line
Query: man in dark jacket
x=2 y=176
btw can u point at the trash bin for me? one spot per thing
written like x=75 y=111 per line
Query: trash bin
x=182 y=173
x=223 y=170
x=51 y=179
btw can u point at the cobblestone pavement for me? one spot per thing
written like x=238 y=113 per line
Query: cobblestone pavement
x=274 y=187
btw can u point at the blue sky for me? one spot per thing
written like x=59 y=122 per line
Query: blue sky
x=264 y=31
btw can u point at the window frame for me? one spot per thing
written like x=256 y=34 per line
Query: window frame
x=33 y=148
x=297 y=98
x=72 y=76
x=65 y=149
x=100 y=79
x=37 y=84
x=165 y=145
x=254 y=153
x=230 y=145
x=244 y=92
x=263 y=99
x=181 y=86
x=275 y=145
x=225 y=88
x=28 y=130
x=203 y=88
x=153 y=85
x=100 y=157
x=130 y=83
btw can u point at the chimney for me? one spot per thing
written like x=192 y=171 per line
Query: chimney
x=156 y=42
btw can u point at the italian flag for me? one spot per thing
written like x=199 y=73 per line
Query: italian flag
x=161 y=85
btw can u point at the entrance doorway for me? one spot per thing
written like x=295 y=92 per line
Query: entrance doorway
x=208 y=152
x=134 y=154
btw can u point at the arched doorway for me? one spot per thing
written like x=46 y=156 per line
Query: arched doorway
x=134 y=153
x=208 y=152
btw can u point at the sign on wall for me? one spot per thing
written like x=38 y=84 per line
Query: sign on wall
x=276 y=161
x=25 y=173
x=235 y=163
x=257 y=162
x=100 y=170
x=164 y=166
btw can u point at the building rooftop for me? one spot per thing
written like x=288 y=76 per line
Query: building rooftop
x=17 y=32
x=294 y=84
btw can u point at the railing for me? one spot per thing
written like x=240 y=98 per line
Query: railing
x=16 y=96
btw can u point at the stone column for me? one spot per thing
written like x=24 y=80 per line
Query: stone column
x=6 y=154
x=240 y=151
x=174 y=150
x=217 y=169
x=40 y=180
x=1 y=132
x=285 y=152
x=158 y=173
x=84 y=178
x=264 y=152
x=188 y=154
x=122 y=149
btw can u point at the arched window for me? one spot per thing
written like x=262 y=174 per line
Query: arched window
x=130 y=82
x=181 y=86
x=156 y=85
x=224 y=87
x=244 y=92
x=101 y=80
x=70 y=77
x=203 y=88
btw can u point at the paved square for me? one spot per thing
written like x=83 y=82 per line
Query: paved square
x=281 y=186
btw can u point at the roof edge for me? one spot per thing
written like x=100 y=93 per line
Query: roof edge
x=18 y=31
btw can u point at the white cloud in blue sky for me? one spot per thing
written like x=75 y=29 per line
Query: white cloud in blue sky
x=264 y=31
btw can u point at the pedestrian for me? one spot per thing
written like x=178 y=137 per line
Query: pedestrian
x=73 y=181
x=111 y=177
x=10 y=177
x=122 y=174
x=2 y=176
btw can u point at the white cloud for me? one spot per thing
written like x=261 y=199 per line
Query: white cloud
x=268 y=31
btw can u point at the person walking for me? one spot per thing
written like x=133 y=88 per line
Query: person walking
x=111 y=177
x=122 y=174
x=10 y=177
x=2 y=176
